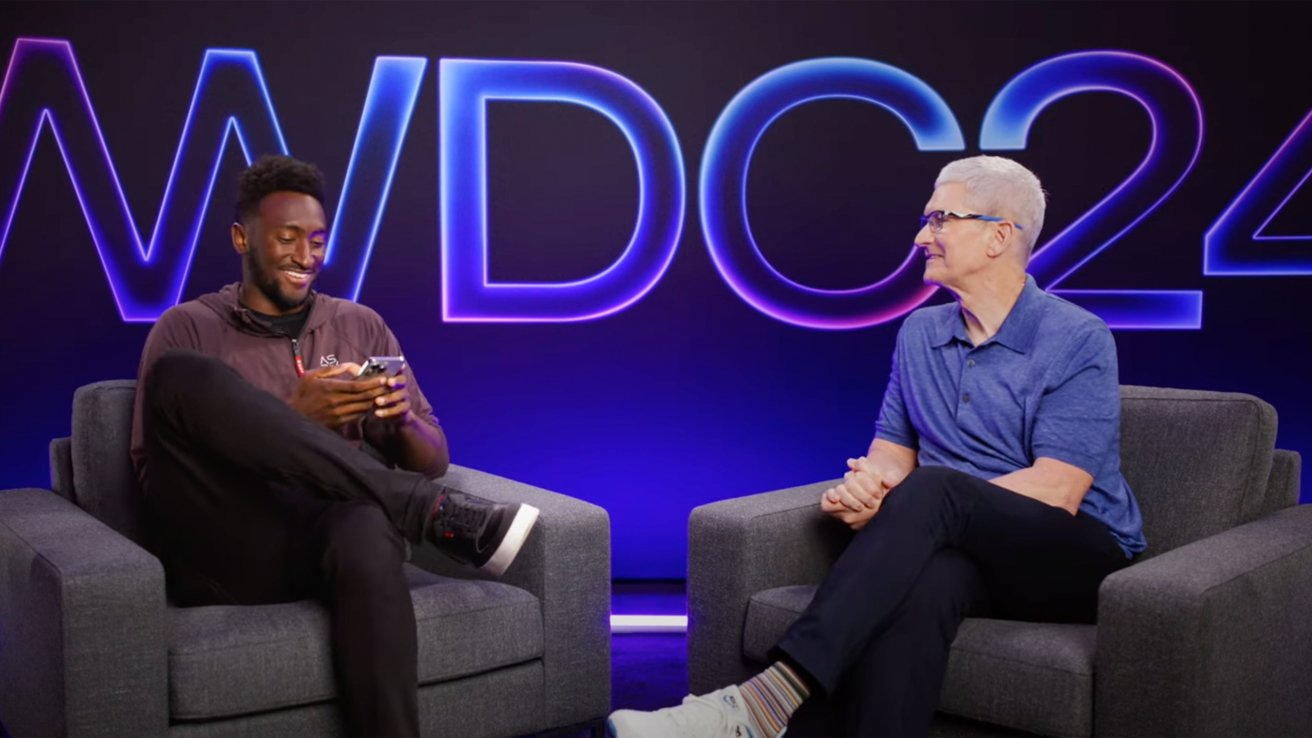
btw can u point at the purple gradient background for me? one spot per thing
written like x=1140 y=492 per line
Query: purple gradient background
x=690 y=395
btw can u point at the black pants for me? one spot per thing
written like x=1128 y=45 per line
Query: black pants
x=255 y=504
x=874 y=642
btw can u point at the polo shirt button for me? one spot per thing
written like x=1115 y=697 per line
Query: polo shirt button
x=965 y=397
x=970 y=362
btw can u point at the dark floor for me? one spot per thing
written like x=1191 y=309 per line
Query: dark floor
x=648 y=670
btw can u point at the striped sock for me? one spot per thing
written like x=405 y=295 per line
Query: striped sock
x=772 y=697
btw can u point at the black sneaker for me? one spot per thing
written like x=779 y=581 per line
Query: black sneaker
x=484 y=534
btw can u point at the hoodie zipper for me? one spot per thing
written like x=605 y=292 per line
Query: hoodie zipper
x=296 y=356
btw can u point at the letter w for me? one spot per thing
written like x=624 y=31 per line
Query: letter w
x=43 y=86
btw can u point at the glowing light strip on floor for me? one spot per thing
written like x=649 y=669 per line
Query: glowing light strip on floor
x=648 y=623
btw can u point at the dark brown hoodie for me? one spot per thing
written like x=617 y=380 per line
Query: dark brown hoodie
x=218 y=325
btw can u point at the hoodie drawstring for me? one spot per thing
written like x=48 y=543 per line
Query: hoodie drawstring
x=296 y=356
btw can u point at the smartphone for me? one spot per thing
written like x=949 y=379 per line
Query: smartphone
x=381 y=366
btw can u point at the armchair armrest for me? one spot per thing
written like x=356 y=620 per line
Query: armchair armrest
x=739 y=547
x=565 y=563
x=1283 y=484
x=1211 y=638
x=83 y=647
x=61 y=467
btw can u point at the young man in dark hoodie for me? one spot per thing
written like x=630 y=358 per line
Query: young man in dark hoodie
x=275 y=474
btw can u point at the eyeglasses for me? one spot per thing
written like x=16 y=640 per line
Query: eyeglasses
x=938 y=218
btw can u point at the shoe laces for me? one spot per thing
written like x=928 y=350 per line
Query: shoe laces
x=463 y=517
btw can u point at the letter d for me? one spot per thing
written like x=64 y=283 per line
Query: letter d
x=466 y=86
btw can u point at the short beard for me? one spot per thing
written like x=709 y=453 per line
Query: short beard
x=268 y=285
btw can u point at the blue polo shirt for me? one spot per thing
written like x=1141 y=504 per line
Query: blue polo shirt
x=1045 y=385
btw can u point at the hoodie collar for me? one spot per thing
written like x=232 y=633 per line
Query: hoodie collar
x=227 y=304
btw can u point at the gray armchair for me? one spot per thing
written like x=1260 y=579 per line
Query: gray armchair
x=1207 y=633
x=90 y=645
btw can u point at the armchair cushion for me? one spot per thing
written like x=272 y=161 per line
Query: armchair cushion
x=769 y=613
x=235 y=660
x=1036 y=677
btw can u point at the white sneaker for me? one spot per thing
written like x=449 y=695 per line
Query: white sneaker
x=720 y=714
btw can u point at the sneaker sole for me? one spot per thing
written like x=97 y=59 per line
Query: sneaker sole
x=519 y=529
x=618 y=725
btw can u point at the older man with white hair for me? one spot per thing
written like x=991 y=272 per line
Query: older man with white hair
x=992 y=487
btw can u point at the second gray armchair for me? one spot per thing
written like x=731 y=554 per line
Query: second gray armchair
x=1208 y=633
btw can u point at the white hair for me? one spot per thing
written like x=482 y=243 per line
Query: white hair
x=999 y=186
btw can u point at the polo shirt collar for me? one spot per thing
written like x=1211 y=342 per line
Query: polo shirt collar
x=951 y=328
x=1017 y=331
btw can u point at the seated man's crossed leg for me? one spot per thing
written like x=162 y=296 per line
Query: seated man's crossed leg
x=868 y=655
x=257 y=504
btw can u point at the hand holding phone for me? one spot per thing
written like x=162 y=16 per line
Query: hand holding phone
x=336 y=395
x=393 y=406
x=381 y=366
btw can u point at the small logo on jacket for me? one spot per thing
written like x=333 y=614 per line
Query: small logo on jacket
x=329 y=360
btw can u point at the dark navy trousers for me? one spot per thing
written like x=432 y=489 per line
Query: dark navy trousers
x=255 y=504
x=874 y=642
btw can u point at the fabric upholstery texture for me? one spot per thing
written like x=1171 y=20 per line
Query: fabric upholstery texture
x=564 y=562
x=1205 y=634
x=444 y=709
x=91 y=647
x=1037 y=677
x=1282 y=485
x=1211 y=638
x=84 y=649
x=737 y=548
x=769 y=613
x=1198 y=462
x=103 y=482
x=226 y=661
x=61 y=467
